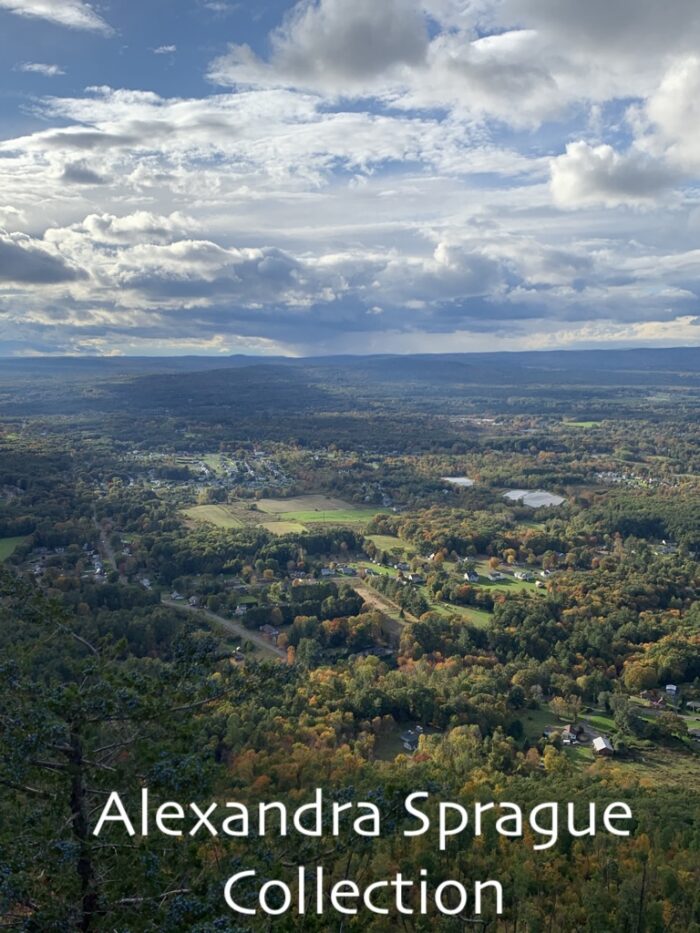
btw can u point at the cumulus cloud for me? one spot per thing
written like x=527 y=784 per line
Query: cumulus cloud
x=672 y=115
x=165 y=50
x=330 y=44
x=48 y=71
x=24 y=261
x=365 y=181
x=72 y=13
x=588 y=175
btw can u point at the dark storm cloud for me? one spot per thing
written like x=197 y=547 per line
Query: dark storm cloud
x=22 y=261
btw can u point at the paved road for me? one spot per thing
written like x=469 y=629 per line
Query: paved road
x=235 y=628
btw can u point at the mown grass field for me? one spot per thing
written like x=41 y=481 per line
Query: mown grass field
x=316 y=510
x=218 y=515
x=283 y=527
x=302 y=504
x=8 y=546
x=391 y=543
x=349 y=516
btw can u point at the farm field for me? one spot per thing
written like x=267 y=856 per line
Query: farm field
x=348 y=516
x=8 y=546
x=283 y=527
x=310 y=503
x=218 y=515
x=316 y=509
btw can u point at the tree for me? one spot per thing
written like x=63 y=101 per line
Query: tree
x=77 y=722
x=560 y=707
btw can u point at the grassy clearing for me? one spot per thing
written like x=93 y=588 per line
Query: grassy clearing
x=581 y=424
x=316 y=509
x=390 y=543
x=8 y=546
x=535 y=721
x=218 y=515
x=478 y=617
x=349 y=516
x=660 y=766
x=284 y=527
x=579 y=754
x=302 y=504
x=600 y=721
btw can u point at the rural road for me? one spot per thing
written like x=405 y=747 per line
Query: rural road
x=107 y=549
x=380 y=602
x=235 y=628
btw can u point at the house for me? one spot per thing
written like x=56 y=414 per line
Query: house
x=493 y=577
x=348 y=571
x=571 y=733
x=540 y=585
x=402 y=565
x=525 y=575
x=603 y=746
x=327 y=572
x=693 y=704
x=694 y=734
x=193 y=601
x=416 y=578
x=672 y=690
x=411 y=737
x=471 y=576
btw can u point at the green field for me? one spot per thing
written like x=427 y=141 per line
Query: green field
x=581 y=424
x=349 y=516
x=217 y=515
x=476 y=617
x=317 y=508
x=535 y=721
x=283 y=527
x=390 y=543
x=8 y=546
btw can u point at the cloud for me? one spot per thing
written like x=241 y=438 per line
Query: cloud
x=165 y=50
x=48 y=71
x=330 y=44
x=380 y=174
x=671 y=116
x=79 y=173
x=72 y=13
x=24 y=261
x=589 y=175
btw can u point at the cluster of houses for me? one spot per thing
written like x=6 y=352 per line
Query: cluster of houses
x=256 y=472
x=573 y=734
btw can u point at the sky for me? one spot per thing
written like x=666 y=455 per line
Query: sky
x=348 y=176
